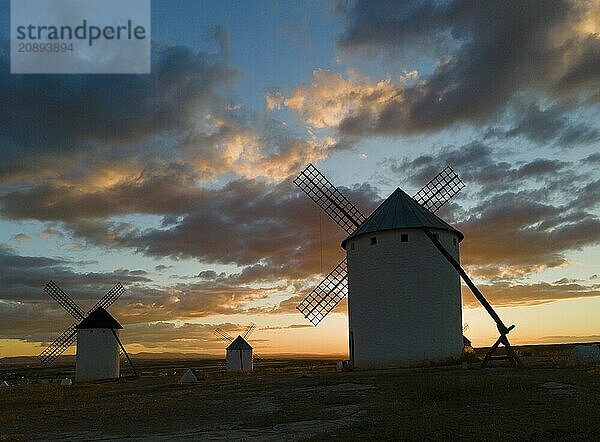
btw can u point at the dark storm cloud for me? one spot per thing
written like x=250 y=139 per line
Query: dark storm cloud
x=514 y=234
x=588 y=197
x=478 y=163
x=511 y=233
x=24 y=277
x=272 y=229
x=170 y=189
x=486 y=52
x=592 y=159
x=208 y=274
x=58 y=120
x=551 y=125
x=244 y=222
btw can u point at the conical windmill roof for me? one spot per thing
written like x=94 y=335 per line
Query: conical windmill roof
x=239 y=343
x=400 y=211
x=99 y=318
x=188 y=377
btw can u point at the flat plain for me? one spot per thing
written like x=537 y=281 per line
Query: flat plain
x=307 y=399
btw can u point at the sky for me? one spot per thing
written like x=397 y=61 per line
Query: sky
x=179 y=185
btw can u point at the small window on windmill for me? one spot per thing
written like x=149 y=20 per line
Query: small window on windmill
x=352 y=246
x=373 y=240
x=404 y=237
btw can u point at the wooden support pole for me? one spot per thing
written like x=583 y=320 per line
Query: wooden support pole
x=502 y=329
x=135 y=373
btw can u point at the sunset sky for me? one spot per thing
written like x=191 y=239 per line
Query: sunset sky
x=179 y=183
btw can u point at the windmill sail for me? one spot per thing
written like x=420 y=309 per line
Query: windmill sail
x=64 y=300
x=437 y=192
x=332 y=201
x=326 y=295
x=111 y=296
x=223 y=335
x=59 y=345
x=249 y=330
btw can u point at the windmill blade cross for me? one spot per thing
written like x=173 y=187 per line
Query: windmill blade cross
x=111 y=296
x=329 y=198
x=59 y=345
x=64 y=300
x=439 y=190
x=326 y=295
x=223 y=335
x=249 y=330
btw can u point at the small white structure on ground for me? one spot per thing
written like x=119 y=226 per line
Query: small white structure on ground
x=585 y=355
x=404 y=300
x=188 y=377
x=97 y=347
x=66 y=382
x=4 y=384
x=239 y=355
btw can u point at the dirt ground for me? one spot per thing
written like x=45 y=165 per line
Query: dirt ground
x=308 y=400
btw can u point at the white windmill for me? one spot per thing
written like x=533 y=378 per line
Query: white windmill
x=404 y=300
x=97 y=335
x=239 y=354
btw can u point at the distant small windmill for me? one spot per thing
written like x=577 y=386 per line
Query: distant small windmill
x=239 y=354
x=98 y=343
x=404 y=305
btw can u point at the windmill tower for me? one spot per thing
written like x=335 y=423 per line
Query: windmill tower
x=97 y=335
x=97 y=348
x=239 y=355
x=404 y=301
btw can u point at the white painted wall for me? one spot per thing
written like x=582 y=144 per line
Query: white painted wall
x=239 y=360
x=404 y=300
x=97 y=355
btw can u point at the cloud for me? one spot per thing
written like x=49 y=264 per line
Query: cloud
x=330 y=98
x=564 y=339
x=550 y=125
x=162 y=267
x=489 y=169
x=27 y=311
x=486 y=58
x=83 y=133
x=49 y=232
x=245 y=222
x=511 y=233
x=510 y=295
x=21 y=237
x=60 y=120
x=210 y=274
x=251 y=222
x=274 y=99
x=514 y=235
x=184 y=337
x=286 y=327
x=20 y=324
x=24 y=277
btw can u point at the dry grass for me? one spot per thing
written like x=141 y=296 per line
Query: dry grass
x=291 y=400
